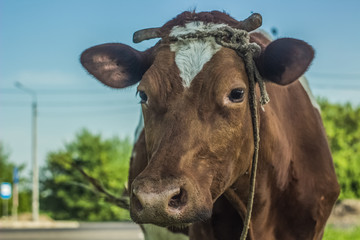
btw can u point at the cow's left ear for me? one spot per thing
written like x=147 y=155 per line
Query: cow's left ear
x=117 y=65
x=285 y=60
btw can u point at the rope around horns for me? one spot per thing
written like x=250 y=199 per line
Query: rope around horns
x=239 y=40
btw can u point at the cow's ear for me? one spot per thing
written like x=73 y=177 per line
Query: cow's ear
x=285 y=60
x=116 y=65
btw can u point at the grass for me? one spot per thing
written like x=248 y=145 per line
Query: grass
x=332 y=233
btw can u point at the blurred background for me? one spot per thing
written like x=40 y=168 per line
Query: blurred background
x=42 y=80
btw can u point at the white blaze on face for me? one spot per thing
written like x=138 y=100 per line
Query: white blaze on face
x=192 y=54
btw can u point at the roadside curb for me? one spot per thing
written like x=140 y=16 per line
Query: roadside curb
x=38 y=225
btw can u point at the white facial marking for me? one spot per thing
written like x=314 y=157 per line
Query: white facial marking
x=192 y=54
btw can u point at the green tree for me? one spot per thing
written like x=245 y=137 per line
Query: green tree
x=6 y=175
x=342 y=124
x=6 y=168
x=66 y=194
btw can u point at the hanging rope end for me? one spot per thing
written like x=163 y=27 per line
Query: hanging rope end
x=264 y=99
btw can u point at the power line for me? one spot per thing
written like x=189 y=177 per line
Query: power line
x=97 y=112
x=334 y=87
x=313 y=84
x=65 y=91
x=54 y=91
x=72 y=104
x=88 y=112
x=335 y=75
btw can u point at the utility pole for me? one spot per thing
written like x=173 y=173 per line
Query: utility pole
x=35 y=170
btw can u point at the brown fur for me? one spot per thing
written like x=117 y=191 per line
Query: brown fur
x=290 y=203
x=197 y=141
x=293 y=198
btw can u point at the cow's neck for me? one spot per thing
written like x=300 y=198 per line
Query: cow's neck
x=277 y=184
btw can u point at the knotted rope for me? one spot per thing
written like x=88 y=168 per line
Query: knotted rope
x=239 y=40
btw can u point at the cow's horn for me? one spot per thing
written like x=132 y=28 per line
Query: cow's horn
x=146 y=34
x=251 y=23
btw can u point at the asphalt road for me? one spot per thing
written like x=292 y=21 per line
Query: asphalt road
x=86 y=231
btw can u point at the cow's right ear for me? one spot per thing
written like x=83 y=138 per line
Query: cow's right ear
x=284 y=60
x=116 y=65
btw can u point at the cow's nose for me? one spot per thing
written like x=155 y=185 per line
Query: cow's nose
x=168 y=201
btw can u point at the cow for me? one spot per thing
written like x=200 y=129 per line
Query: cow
x=192 y=163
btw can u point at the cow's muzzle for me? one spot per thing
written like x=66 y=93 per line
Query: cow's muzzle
x=166 y=203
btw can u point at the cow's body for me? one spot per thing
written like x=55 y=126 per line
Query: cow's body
x=190 y=166
x=289 y=203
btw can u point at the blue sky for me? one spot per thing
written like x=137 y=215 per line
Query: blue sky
x=41 y=41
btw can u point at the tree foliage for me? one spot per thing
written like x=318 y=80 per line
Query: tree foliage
x=6 y=168
x=65 y=192
x=6 y=175
x=342 y=124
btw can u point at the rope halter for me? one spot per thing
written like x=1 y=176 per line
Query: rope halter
x=239 y=41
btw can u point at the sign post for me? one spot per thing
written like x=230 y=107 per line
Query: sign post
x=5 y=192
x=15 y=194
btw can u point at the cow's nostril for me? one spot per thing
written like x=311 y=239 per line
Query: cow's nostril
x=137 y=204
x=178 y=200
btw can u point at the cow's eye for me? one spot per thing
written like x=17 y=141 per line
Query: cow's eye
x=237 y=95
x=143 y=97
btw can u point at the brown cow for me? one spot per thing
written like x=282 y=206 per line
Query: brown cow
x=193 y=159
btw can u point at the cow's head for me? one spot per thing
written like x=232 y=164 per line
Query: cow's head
x=194 y=97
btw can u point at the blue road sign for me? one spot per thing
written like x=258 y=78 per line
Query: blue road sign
x=16 y=175
x=5 y=190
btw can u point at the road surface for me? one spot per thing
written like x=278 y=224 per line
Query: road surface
x=86 y=231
